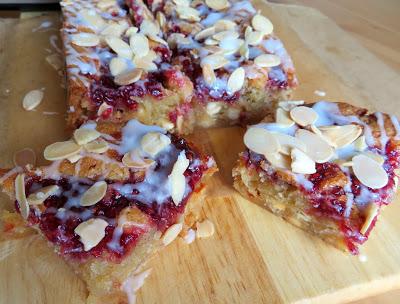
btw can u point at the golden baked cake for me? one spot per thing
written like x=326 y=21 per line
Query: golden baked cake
x=112 y=196
x=328 y=168
x=177 y=64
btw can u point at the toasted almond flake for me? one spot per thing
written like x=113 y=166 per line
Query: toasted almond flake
x=316 y=148
x=154 y=142
x=208 y=74
x=371 y=211
x=177 y=180
x=217 y=4
x=188 y=13
x=39 y=196
x=261 y=141
x=134 y=159
x=210 y=41
x=205 y=229
x=94 y=194
x=91 y=232
x=267 y=61
x=205 y=33
x=24 y=157
x=262 y=24
x=20 y=195
x=55 y=61
x=225 y=34
x=288 y=105
x=104 y=4
x=148 y=27
x=213 y=108
x=114 y=29
x=341 y=136
x=376 y=157
x=97 y=146
x=224 y=25
x=128 y=77
x=145 y=65
x=119 y=46
x=139 y=44
x=254 y=38
x=61 y=150
x=131 y=30
x=301 y=162
x=83 y=136
x=369 y=172
x=32 y=99
x=279 y=160
x=287 y=143
x=360 y=143
x=74 y=158
x=216 y=61
x=158 y=39
x=236 y=80
x=118 y=65
x=161 y=19
x=171 y=233
x=85 y=39
x=282 y=117
x=304 y=116
x=103 y=108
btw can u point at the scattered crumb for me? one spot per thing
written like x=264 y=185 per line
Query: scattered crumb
x=205 y=229
x=32 y=99
x=50 y=113
x=320 y=93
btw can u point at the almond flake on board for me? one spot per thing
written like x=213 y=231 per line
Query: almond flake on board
x=303 y=116
x=301 y=162
x=134 y=159
x=20 y=195
x=261 y=141
x=217 y=4
x=82 y=136
x=98 y=146
x=154 y=142
x=316 y=148
x=282 y=118
x=205 y=229
x=139 y=44
x=262 y=24
x=371 y=211
x=119 y=46
x=208 y=74
x=341 y=136
x=32 y=99
x=177 y=180
x=61 y=150
x=39 y=196
x=236 y=80
x=369 y=172
x=267 y=61
x=85 y=39
x=171 y=233
x=94 y=194
x=91 y=232
x=128 y=77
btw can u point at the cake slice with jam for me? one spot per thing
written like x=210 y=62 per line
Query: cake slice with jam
x=328 y=168
x=110 y=198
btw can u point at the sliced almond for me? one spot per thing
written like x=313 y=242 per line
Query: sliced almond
x=20 y=195
x=376 y=157
x=217 y=4
x=287 y=143
x=154 y=142
x=372 y=211
x=177 y=179
x=92 y=19
x=114 y=29
x=282 y=117
x=94 y=194
x=216 y=61
x=158 y=39
x=131 y=30
x=224 y=25
x=188 y=13
x=119 y=46
x=161 y=19
x=244 y=51
x=208 y=74
x=304 y=116
x=91 y=232
x=103 y=108
x=360 y=144
x=207 y=32
x=262 y=24
x=135 y=160
x=301 y=162
x=104 y=4
x=316 y=148
x=182 y=2
x=171 y=233
x=97 y=146
x=176 y=39
x=118 y=65
x=74 y=158
x=369 y=172
x=61 y=150
x=139 y=44
x=225 y=34
x=279 y=160
x=267 y=60
x=261 y=141
x=83 y=136
x=254 y=38
x=144 y=64
x=247 y=31
x=341 y=136
x=41 y=195
x=128 y=77
x=210 y=41
x=148 y=27
x=288 y=105
x=213 y=108
x=236 y=80
x=85 y=39
x=230 y=45
x=205 y=229
x=32 y=99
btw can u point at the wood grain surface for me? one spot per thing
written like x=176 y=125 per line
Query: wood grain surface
x=254 y=257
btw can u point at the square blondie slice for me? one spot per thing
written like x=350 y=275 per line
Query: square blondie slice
x=328 y=168
x=111 y=198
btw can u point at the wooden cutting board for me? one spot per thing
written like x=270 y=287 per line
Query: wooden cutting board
x=254 y=257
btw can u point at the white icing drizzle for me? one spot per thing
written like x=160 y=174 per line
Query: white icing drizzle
x=133 y=284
